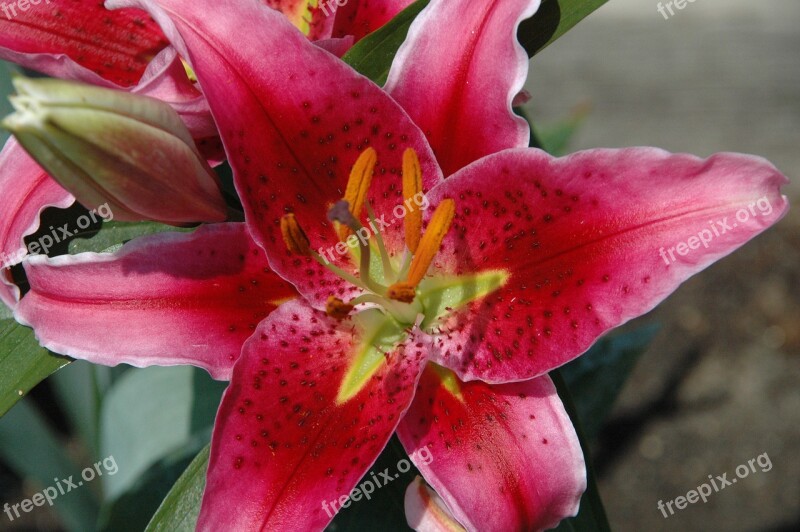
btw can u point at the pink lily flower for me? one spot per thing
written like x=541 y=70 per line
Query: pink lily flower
x=443 y=321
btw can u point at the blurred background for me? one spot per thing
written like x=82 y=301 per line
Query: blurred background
x=718 y=386
x=721 y=382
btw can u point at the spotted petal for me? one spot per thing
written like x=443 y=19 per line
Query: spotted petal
x=286 y=444
x=588 y=242
x=502 y=457
x=458 y=84
x=25 y=191
x=166 y=299
x=308 y=118
x=165 y=79
x=79 y=39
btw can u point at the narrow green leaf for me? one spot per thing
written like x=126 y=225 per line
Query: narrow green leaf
x=181 y=507
x=113 y=234
x=554 y=19
x=23 y=363
x=592 y=515
x=372 y=56
x=31 y=449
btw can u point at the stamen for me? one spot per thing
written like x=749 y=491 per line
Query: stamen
x=294 y=236
x=337 y=309
x=297 y=242
x=428 y=248
x=403 y=292
x=412 y=188
x=358 y=185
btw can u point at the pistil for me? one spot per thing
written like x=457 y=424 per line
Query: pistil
x=341 y=212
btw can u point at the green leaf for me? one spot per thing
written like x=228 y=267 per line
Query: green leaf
x=181 y=507
x=597 y=377
x=554 y=19
x=152 y=413
x=372 y=56
x=592 y=515
x=113 y=234
x=31 y=449
x=23 y=363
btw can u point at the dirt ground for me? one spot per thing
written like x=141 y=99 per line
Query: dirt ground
x=721 y=384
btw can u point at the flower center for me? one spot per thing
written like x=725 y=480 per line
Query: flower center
x=396 y=292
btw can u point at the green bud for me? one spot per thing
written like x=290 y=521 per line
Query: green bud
x=111 y=147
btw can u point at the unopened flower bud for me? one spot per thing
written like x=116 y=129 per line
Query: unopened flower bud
x=110 y=147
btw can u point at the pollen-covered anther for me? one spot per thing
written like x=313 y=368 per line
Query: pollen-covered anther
x=431 y=241
x=358 y=185
x=294 y=236
x=412 y=188
x=402 y=292
x=429 y=245
x=337 y=309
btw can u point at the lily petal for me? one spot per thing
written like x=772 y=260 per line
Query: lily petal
x=25 y=191
x=284 y=445
x=359 y=18
x=337 y=47
x=166 y=299
x=502 y=457
x=79 y=39
x=458 y=86
x=426 y=511
x=165 y=79
x=589 y=242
